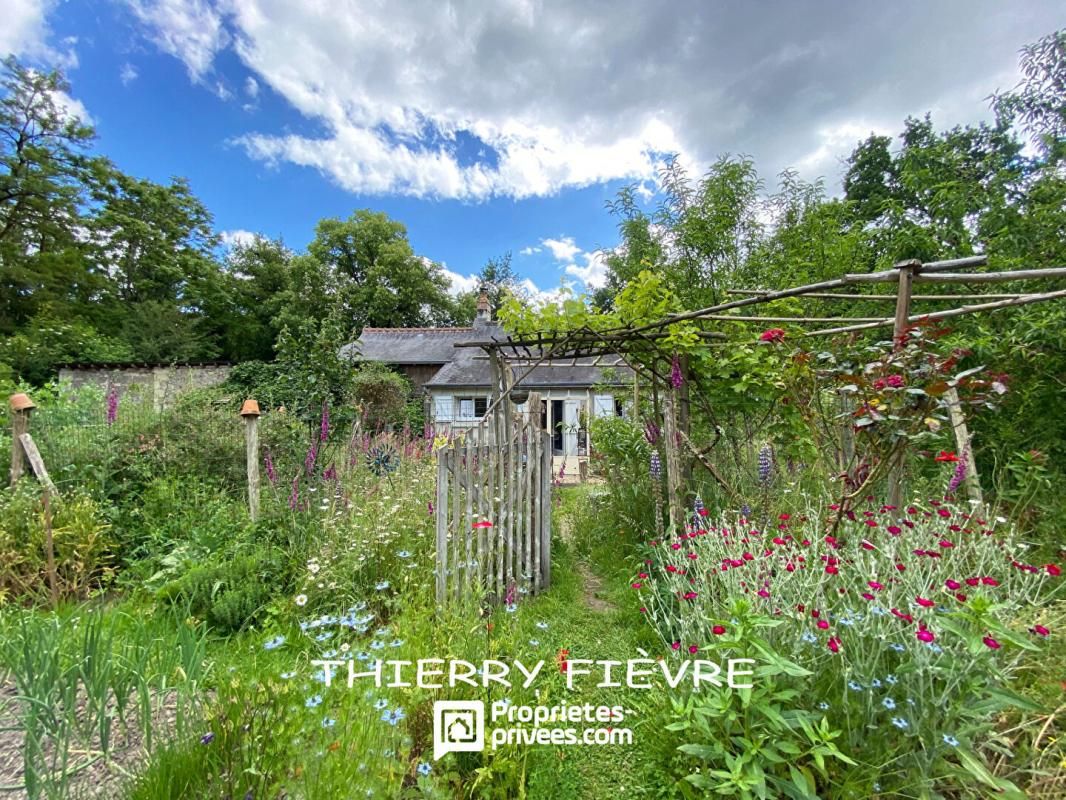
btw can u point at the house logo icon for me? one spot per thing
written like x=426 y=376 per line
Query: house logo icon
x=458 y=726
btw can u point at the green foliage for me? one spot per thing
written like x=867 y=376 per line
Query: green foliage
x=380 y=395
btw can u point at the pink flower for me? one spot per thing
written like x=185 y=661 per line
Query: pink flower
x=833 y=644
x=636 y=585
x=867 y=596
x=924 y=603
x=772 y=335
x=953 y=585
x=945 y=543
x=989 y=581
x=875 y=585
x=991 y=643
x=972 y=581
x=1054 y=570
x=823 y=625
x=693 y=649
x=895 y=530
x=690 y=595
x=1040 y=629
x=925 y=635
x=718 y=630
x=676 y=645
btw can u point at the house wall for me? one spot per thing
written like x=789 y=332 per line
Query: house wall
x=418 y=374
x=163 y=384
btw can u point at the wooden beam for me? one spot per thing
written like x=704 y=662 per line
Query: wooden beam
x=37 y=463
x=889 y=297
x=954 y=312
x=797 y=320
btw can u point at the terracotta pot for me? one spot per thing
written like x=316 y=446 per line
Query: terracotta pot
x=250 y=408
x=21 y=402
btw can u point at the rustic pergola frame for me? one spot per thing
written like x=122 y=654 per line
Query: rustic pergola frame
x=624 y=342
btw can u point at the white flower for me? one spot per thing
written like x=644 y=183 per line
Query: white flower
x=301 y=599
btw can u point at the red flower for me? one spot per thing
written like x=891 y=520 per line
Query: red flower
x=925 y=635
x=693 y=649
x=875 y=585
x=1054 y=570
x=924 y=603
x=832 y=570
x=900 y=567
x=867 y=596
x=945 y=543
x=676 y=645
x=972 y=581
x=989 y=581
x=1041 y=630
x=991 y=643
x=953 y=585
x=947 y=456
x=833 y=644
x=867 y=545
x=690 y=595
x=642 y=575
x=718 y=630
x=636 y=585
x=895 y=530
x=823 y=625
x=772 y=335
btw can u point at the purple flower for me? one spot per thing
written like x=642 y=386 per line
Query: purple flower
x=323 y=432
x=294 y=495
x=430 y=506
x=766 y=463
x=330 y=473
x=207 y=738
x=675 y=373
x=112 y=406
x=268 y=462
x=651 y=431
x=311 y=458
x=958 y=476
x=655 y=468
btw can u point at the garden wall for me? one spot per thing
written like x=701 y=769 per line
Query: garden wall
x=162 y=382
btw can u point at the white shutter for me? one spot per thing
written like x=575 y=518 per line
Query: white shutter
x=443 y=408
x=603 y=405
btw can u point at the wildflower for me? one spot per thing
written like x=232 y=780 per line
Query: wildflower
x=323 y=636
x=396 y=643
x=275 y=643
x=925 y=635
x=403 y=554
x=287 y=675
x=1040 y=629
x=953 y=585
x=636 y=585
x=823 y=706
x=693 y=649
x=651 y=432
x=676 y=379
x=766 y=463
x=957 y=477
x=991 y=643
x=807 y=636
x=897 y=647
x=534 y=643
x=112 y=406
x=889 y=703
x=900 y=723
x=950 y=740
x=393 y=717
x=510 y=608
x=1054 y=570
x=376 y=645
x=655 y=467
x=328 y=722
x=381 y=704
x=207 y=738
x=772 y=335
x=313 y=702
x=924 y=603
x=542 y=625
x=833 y=644
x=424 y=769
x=946 y=456
x=268 y=462
x=855 y=686
x=381 y=585
x=875 y=585
x=300 y=600
x=875 y=684
x=675 y=645
x=323 y=431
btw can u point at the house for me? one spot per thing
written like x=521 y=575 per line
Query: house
x=456 y=381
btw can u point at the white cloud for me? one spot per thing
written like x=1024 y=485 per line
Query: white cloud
x=562 y=249
x=238 y=236
x=562 y=95
x=71 y=107
x=25 y=32
x=190 y=30
x=528 y=251
x=128 y=74
x=460 y=283
x=251 y=87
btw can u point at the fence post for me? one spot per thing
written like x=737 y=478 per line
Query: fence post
x=673 y=463
x=907 y=271
x=963 y=444
x=21 y=408
x=250 y=413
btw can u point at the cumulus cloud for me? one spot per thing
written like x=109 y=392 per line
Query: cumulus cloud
x=460 y=283
x=522 y=98
x=238 y=236
x=71 y=107
x=589 y=267
x=128 y=74
x=25 y=32
x=190 y=30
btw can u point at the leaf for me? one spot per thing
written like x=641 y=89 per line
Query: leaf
x=976 y=767
x=1011 y=699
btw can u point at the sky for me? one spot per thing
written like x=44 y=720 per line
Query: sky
x=504 y=126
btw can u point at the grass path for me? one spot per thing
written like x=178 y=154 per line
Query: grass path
x=586 y=610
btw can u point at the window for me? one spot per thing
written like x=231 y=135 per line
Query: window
x=472 y=407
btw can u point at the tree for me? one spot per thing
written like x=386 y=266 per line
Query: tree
x=43 y=175
x=1038 y=102
x=379 y=279
x=261 y=278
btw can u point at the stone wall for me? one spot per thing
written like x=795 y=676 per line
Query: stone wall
x=162 y=384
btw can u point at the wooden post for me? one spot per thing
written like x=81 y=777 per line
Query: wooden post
x=37 y=463
x=21 y=408
x=544 y=562
x=963 y=444
x=441 y=511
x=250 y=413
x=673 y=463
x=907 y=270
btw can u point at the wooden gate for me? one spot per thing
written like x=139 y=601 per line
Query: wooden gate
x=494 y=509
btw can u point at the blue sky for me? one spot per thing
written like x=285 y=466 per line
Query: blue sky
x=488 y=128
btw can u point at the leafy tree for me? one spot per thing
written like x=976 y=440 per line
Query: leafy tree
x=261 y=278
x=1038 y=102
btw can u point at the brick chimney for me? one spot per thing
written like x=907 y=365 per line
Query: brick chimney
x=484 y=310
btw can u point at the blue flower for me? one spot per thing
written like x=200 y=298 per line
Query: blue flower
x=363 y=656
x=275 y=643
x=878 y=611
x=891 y=680
x=875 y=683
x=823 y=706
x=376 y=645
x=888 y=703
x=323 y=636
x=935 y=647
x=424 y=768
x=855 y=686
x=396 y=643
x=328 y=722
x=511 y=608
x=950 y=740
x=897 y=647
x=381 y=632
x=808 y=637
x=286 y=675
x=403 y=554
x=329 y=654
x=392 y=717
x=381 y=585
x=207 y=738
x=381 y=704
x=533 y=643
x=542 y=625
x=900 y=723
x=314 y=701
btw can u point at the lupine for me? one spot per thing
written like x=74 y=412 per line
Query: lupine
x=651 y=432
x=112 y=406
x=676 y=378
x=766 y=463
x=655 y=468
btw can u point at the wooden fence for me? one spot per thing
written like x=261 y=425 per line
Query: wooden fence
x=493 y=510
